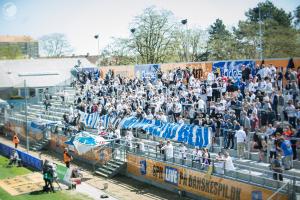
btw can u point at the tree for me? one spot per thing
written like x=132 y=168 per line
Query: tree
x=10 y=52
x=55 y=45
x=267 y=10
x=192 y=42
x=221 y=43
x=154 y=36
x=117 y=53
x=278 y=35
x=218 y=30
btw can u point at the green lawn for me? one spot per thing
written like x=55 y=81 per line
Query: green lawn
x=15 y=171
x=7 y=172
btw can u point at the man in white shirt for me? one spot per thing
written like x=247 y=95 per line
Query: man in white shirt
x=168 y=151
x=197 y=156
x=240 y=140
x=228 y=162
x=163 y=117
x=201 y=105
x=182 y=153
x=140 y=146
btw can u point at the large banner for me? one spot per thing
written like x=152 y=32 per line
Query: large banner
x=198 y=183
x=148 y=71
x=191 y=134
x=93 y=120
x=84 y=142
x=232 y=68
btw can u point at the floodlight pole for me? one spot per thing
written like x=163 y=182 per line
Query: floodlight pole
x=132 y=30
x=26 y=118
x=185 y=23
x=260 y=36
x=187 y=41
x=98 y=42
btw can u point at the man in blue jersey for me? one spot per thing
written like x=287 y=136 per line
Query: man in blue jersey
x=287 y=153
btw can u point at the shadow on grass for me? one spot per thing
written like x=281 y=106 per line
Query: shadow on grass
x=39 y=192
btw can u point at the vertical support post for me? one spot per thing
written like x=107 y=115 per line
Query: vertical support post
x=260 y=36
x=26 y=119
x=186 y=46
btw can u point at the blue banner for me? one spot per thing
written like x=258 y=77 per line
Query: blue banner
x=148 y=71
x=93 y=120
x=190 y=134
x=90 y=120
x=233 y=68
x=27 y=160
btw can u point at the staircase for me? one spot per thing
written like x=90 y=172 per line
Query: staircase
x=54 y=113
x=111 y=168
x=38 y=146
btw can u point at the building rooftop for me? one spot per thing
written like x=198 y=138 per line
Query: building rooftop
x=38 y=72
x=16 y=38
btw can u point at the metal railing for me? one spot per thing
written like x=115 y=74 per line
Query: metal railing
x=263 y=179
x=278 y=191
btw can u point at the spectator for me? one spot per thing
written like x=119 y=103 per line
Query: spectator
x=287 y=153
x=228 y=162
x=182 y=153
x=241 y=139
x=14 y=159
x=197 y=155
x=160 y=146
x=272 y=142
x=140 y=146
x=206 y=158
x=277 y=169
x=259 y=143
x=168 y=151
x=291 y=113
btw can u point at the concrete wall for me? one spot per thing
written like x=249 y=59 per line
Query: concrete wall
x=128 y=70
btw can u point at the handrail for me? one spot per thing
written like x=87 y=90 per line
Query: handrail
x=203 y=168
x=291 y=177
x=277 y=191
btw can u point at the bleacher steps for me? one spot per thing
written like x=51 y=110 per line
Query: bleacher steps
x=111 y=168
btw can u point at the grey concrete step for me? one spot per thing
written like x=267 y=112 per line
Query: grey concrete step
x=105 y=171
x=101 y=174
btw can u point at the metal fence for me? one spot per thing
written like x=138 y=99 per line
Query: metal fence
x=243 y=173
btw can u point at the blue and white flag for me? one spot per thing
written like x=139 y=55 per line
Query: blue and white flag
x=84 y=142
x=186 y=133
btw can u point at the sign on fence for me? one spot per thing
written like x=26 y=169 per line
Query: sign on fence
x=198 y=183
x=26 y=158
x=148 y=71
x=232 y=68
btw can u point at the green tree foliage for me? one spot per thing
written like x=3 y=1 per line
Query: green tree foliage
x=158 y=37
x=278 y=35
x=10 y=52
x=154 y=36
x=268 y=11
x=221 y=43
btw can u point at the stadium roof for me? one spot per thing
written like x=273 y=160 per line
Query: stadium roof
x=16 y=38
x=38 y=72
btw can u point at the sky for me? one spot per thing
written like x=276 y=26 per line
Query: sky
x=80 y=20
